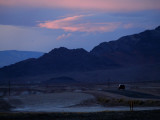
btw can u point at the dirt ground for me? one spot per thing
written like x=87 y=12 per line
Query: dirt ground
x=126 y=115
x=81 y=98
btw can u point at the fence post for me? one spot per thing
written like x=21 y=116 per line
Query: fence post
x=9 y=87
x=131 y=103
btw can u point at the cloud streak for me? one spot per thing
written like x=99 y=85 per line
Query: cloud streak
x=63 y=36
x=72 y=24
x=105 y=5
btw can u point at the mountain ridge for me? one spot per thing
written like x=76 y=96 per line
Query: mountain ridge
x=8 y=57
x=146 y=43
x=132 y=50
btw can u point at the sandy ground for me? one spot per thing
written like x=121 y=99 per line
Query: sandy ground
x=54 y=102
x=61 y=102
x=81 y=98
x=106 y=115
x=81 y=109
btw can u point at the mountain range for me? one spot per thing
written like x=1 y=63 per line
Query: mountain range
x=128 y=52
x=142 y=48
x=9 y=57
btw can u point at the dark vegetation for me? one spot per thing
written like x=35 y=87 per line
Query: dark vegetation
x=4 y=106
x=134 y=115
x=124 y=102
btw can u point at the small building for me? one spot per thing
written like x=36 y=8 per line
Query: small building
x=121 y=87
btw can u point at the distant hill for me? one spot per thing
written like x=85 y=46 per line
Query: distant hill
x=141 y=49
x=57 y=80
x=58 y=60
x=9 y=57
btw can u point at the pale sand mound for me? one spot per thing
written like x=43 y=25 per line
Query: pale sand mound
x=61 y=102
x=48 y=102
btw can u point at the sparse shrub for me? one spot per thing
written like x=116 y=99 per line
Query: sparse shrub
x=138 y=102
x=4 y=106
x=150 y=101
x=120 y=100
x=153 y=102
x=102 y=100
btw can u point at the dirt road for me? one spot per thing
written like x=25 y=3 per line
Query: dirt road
x=133 y=94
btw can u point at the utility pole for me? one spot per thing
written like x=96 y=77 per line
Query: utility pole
x=9 y=87
x=131 y=105
x=108 y=82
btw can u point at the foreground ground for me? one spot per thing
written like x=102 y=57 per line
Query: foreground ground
x=126 y=115
x=80 y=98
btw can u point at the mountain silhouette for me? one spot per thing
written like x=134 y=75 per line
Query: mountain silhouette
x=58 y=60
x=142 y=48
x=131 y=50
x=8 y=57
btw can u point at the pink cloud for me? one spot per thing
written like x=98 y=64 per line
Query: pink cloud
x=71 y=24
x=105 y=5
x=129 y=25
x=63 y=36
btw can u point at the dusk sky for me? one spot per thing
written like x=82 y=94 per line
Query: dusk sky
x=42 y=25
